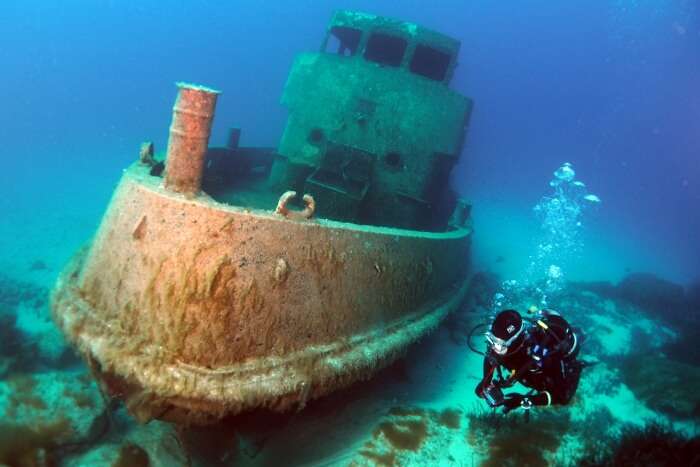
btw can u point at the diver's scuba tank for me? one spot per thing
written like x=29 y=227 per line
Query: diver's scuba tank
x=555 y=332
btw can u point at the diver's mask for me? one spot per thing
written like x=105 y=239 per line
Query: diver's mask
x=501 y=346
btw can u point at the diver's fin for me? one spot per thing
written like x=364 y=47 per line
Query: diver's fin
x=586 y=364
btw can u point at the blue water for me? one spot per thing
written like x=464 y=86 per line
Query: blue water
x=612 y=87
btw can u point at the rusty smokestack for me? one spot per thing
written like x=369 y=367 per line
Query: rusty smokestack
x=189 y=136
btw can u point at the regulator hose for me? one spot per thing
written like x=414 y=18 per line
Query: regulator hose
x=471 y=334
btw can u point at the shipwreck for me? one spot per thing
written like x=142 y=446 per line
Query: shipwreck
x=227 y=279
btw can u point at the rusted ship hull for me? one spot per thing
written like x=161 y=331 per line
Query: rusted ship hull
x=192 y=310
x=198 y=299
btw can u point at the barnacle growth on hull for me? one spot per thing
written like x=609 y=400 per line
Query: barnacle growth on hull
x=200 y=297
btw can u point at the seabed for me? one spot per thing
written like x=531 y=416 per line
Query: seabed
x=419 y=411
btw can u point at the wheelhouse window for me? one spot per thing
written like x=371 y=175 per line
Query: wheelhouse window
x=344 y=40
x=430 y=62
x=385 y=49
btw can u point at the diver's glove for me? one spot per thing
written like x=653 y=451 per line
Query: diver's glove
x=479 y=390
x=513 y=401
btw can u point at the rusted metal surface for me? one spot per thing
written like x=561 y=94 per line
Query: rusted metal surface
x=204 y=310
x=189 y=136
x=306 y=213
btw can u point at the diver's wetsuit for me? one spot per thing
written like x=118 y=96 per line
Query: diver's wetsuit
x=544 y=360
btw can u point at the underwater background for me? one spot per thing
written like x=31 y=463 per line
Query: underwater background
x=611 y=87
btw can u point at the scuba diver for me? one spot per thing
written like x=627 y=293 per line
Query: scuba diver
x=540 y=355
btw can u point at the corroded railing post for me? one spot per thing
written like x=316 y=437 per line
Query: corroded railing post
x=460 y=215
x=189 y=136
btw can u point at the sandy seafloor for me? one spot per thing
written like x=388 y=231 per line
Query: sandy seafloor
x=420 y=411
